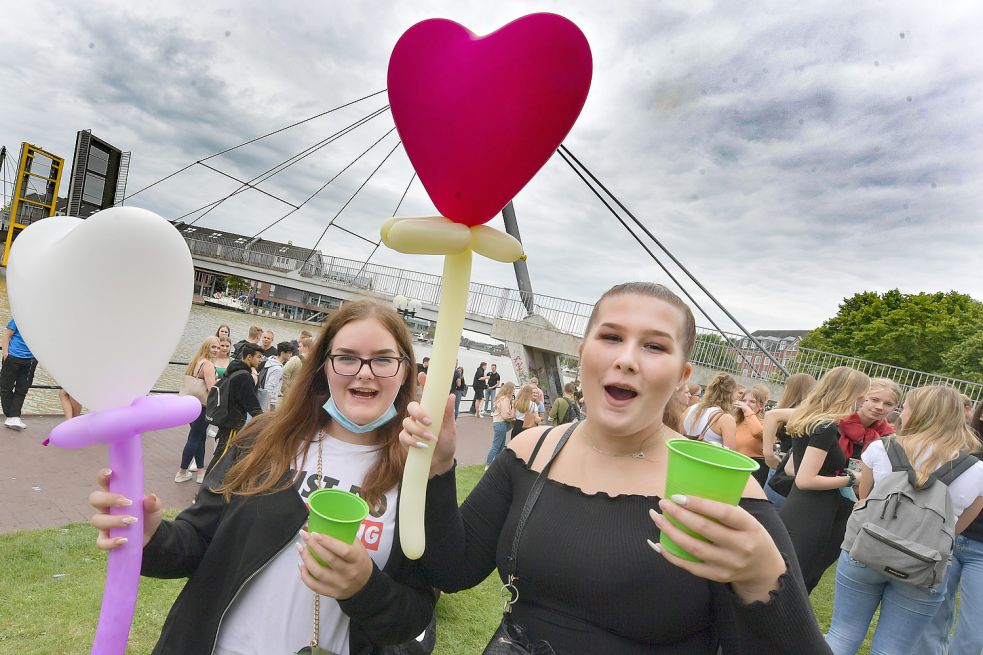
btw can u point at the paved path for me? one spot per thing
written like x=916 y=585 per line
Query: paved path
x=46 y=486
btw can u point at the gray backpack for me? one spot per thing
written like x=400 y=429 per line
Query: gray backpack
x=903 y=530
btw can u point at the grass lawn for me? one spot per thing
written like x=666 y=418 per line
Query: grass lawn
x=51 y=589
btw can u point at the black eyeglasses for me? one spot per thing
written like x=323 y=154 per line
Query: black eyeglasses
x=350 y=365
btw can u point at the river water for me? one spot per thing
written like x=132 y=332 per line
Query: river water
x=204 y=321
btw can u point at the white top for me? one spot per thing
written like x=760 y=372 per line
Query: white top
x=693 y=425
x=521 y=415
x=963 y=492
x=274 y=612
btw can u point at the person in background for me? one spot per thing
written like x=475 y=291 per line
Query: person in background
x=586 y=576
x=502 y=417
x=295 y=363
x=682 y=396
x=16 y=376
x=224 y=356
x=69 y=406
x=494 y=382
x=694 y=393
x=202 y=367
x=478 y=385
x=223 y=331
x=965 y=580
x=565 y=409
x=869 y=423
x=242 y=398
x=967 y=408
x=421 y=376
x=458 y=388
x=273 y=371
x=253 y=586
x=538 y=397
x=712 y=419
x=524 y=404
x=748 y=414
x=266 y=341
x=255 y=334
x=822 y=497
x=933 y=432
x=797 y=387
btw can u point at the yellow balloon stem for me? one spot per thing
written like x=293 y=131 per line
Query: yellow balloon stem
x=446 y=344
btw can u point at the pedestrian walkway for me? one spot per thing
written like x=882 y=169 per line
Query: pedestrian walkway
x=43 y=486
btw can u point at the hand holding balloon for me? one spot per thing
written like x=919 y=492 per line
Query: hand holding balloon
x=416 y=433
x=104 y=501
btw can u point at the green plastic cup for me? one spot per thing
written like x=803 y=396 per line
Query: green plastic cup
x=337 y=514
x=699 y=468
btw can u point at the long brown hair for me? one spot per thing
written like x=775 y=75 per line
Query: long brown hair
x=291 y=428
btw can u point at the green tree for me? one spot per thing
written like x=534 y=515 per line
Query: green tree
x=235 y=285
x=713 y=351
x=965 y=359
x=910 y=330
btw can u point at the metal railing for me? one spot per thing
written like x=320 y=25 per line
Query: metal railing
x=714 y=352
x=570 y=316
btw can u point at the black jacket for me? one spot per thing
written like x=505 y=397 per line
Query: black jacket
x=242 y=393
x=220 y=546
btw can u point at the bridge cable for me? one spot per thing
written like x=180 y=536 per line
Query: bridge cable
x=651 y=236
x=222 y=152
x=325 y=185
x=347 y=202
x=395 y=211
x=656 y=260
x=280 y=167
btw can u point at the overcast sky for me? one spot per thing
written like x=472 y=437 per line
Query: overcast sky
x=789 y=155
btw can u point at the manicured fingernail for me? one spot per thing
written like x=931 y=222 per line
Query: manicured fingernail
x=679 y=499
x=300 y=549
x=306 y=536
x=655 y=515
x=106 y=472
x=129 y=520
x=121 y=541
x=427 y=420
x=420 y=444
x=654 y=546
x=124 y=502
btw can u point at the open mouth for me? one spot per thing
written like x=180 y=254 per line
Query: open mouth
x=620 y=393
x=364 y=394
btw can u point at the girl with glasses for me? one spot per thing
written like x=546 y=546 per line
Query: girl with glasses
x=252 y=579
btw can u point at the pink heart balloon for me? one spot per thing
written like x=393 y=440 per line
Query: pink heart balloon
x=479 y=116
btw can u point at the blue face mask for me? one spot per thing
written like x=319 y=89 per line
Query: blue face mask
x=354 y=427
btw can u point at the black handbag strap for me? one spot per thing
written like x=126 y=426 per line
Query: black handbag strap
x=534 y=491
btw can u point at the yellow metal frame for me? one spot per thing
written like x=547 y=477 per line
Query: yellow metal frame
x=28 y=153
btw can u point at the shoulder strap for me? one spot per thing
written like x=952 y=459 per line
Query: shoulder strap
x=201 y=365
x=948 y=472
x=539 y=444
x=713 y=417
x=534 y=491
x=899 y=459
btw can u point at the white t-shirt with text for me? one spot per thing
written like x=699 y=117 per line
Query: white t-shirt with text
x=274 y=612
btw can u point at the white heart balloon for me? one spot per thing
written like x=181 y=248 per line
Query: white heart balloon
x=102 y=302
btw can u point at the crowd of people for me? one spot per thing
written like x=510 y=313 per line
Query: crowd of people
x=572 y=503
x=271 y=373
